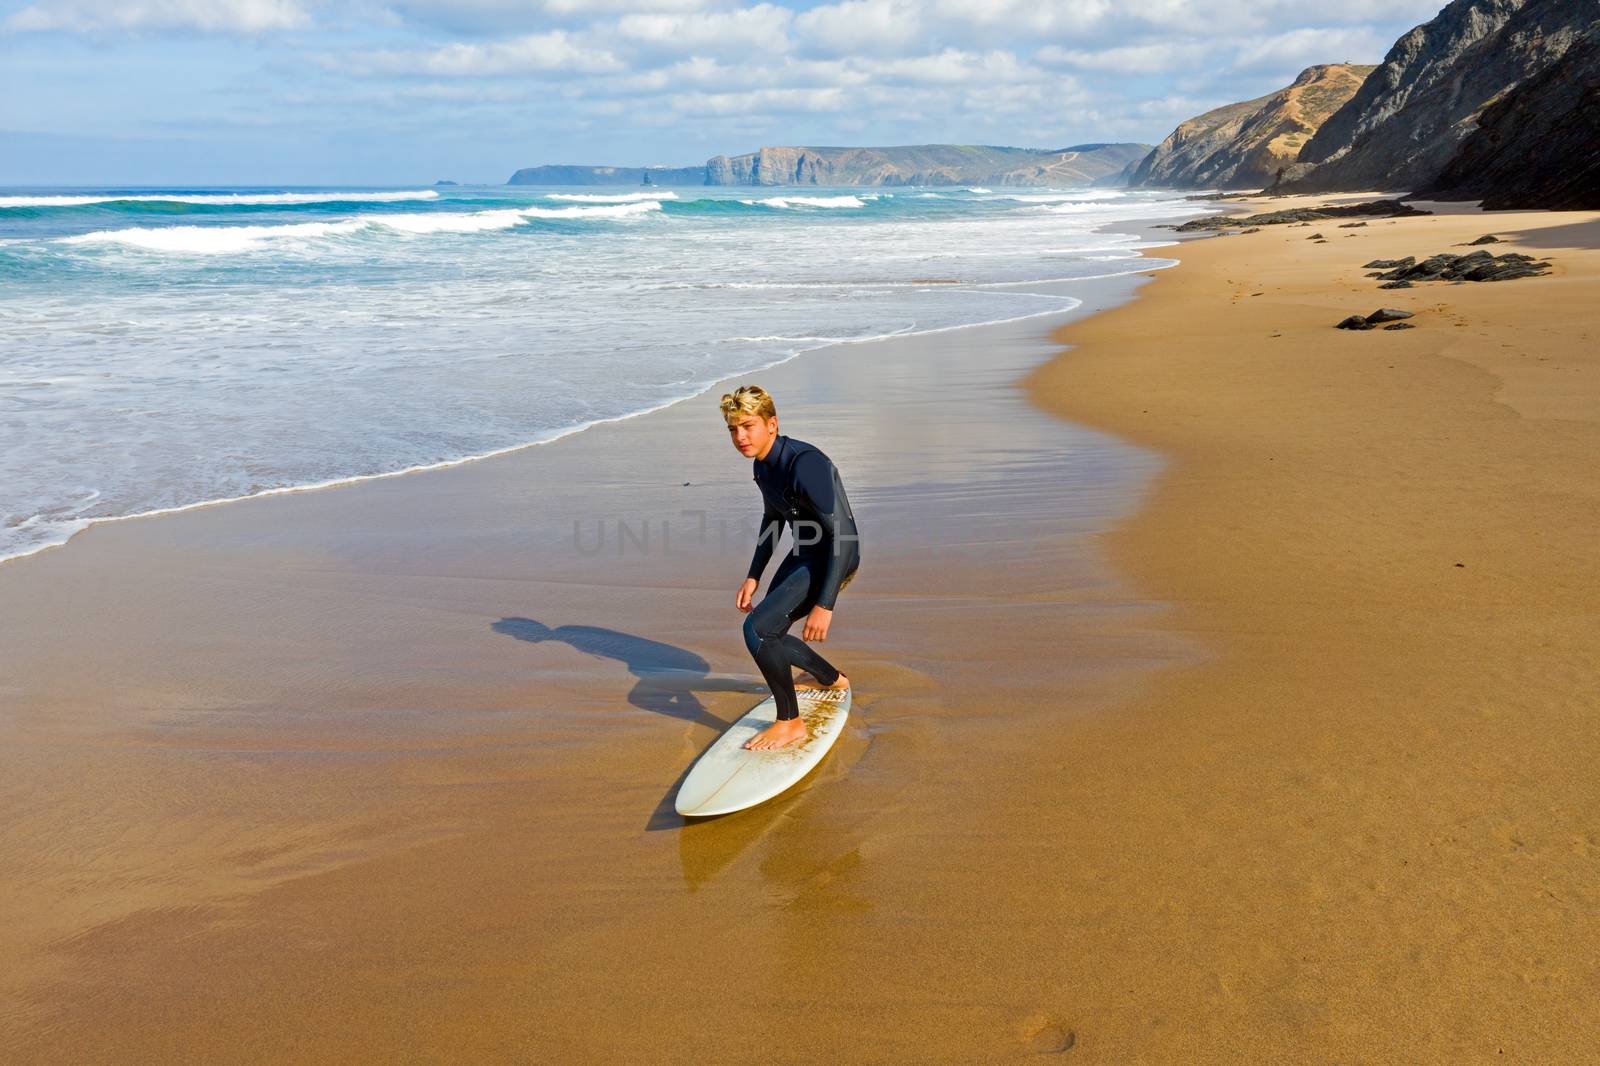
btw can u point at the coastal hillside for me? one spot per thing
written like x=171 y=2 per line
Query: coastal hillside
x=565 y=174
x=1244 y=145
x=924 y=164
x=1539 y=145
x=1405 y=124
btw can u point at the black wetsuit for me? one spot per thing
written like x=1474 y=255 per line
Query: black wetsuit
x=800 y=486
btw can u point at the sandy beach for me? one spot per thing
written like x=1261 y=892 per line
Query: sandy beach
x=1224 y=686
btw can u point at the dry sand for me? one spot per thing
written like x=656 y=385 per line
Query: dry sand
x=1371 y=831
x=384 y=773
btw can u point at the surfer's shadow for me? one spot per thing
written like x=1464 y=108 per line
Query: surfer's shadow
x=667 y=678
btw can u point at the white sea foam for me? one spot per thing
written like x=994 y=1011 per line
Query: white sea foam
x=978 y=188
x=223 y=240
x=810 y=201
x=1071 y=207
x=1065 y=195
x=222 y=199
x=627 y=210
x=620 y=198
x=384 y=338
x=213 y=240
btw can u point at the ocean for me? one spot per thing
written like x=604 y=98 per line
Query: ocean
x=169 y=348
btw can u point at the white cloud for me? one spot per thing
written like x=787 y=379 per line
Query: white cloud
x=613 y=7
x=489 y=17
x=656 y=75
x=862 y=26
x=762 y=101
x=1152 y=58
x=243 y=17
x=530 y=54
x=1027 y=16
x=763 y=28
x=1304 y=47
x=953 y=67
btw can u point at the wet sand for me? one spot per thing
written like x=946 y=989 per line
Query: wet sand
x=386 y=771
x=1179 y=738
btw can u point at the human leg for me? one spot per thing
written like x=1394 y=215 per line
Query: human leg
x=788 y=598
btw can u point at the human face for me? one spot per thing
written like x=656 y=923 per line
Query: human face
x=752 y=435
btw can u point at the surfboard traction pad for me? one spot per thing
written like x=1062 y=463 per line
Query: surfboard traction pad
x=818 y=714
x=815 y=712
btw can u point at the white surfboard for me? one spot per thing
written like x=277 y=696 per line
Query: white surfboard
x=730 y=777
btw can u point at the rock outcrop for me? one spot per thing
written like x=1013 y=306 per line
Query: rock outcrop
x=1474 y=266
x=1304 y=215
x=925 y=164
x=1245 y=145
x=1539 y=145
x=1404 y=125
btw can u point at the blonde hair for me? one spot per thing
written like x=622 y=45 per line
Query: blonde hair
x=747 y=400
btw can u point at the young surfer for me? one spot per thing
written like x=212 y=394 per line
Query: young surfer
x=799 y=486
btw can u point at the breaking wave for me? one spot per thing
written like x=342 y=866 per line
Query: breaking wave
x=809 y=201
x=620 y=198
x=222 y=240
x=220 y=199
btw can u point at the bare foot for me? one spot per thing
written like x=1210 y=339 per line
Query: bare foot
x=841 y=685
x=777 y=735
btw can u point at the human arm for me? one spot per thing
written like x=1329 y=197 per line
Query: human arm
x=766 y=541
x=817 y=479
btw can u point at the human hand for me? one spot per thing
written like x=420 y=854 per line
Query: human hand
x=746 y=593
x=817 y=623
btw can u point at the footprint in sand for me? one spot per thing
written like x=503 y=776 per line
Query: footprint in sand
x=1045 y=1035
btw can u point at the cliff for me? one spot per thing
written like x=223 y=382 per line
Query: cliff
x=1245 y=145
x=1539 y=145
x=563 y=174
x=1401 y=129
x=926 y=164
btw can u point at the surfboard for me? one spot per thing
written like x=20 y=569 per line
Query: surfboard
x=730 y=777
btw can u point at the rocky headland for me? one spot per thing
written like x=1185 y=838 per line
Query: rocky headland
x=1244 y=145
x=1492 y=100
x=925 y=164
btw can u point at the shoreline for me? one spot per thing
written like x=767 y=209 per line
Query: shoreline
x=562 y=433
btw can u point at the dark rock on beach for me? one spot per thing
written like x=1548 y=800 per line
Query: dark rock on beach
x=1487 y=238
x=1378 y=318
x=1389 y=264
x=1304 y=215
x=1391 y=284
x=1474 y=266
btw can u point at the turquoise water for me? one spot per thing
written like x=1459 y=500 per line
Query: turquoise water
x=164 y=348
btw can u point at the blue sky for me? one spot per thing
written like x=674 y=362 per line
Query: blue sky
x=406 y=91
